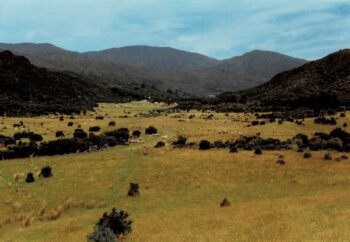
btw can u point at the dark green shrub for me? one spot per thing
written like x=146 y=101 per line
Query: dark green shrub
x=102 y=234
x=204 y=145
x=117 y=221
x=151 y=130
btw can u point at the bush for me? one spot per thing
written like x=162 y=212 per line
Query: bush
x=327 y=157
x=335 y=144
x=301 y=140
x=281 y=162
x=80 y=134
x=180 y=142
x=151 y=130
x=70 y=124
x=160 y=144
x=102 y=234
x=339 y=133
x=204 y=145
x=134 y=190
x=307 y=155
x=255 y=123
x=136 y=133
x=258 y=151
x=233 y=149
x=219 y=144
x=35 y=137
x=46 y=172
x=28 y=135
x=112 y=124
x=94 y=129
x=59 y=134
x=325 y=121
x=121 y=135
x=117 y=221
x=30 y=178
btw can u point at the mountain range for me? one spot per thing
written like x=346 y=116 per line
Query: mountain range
x=162 y=67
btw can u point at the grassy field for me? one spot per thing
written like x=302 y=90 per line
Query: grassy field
x=181 y=189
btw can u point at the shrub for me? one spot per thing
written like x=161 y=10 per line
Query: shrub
x=339 y=133
x=344 y=157
x=335 y=144
x=102 y=234
x=280 y=162
x=80 y=134
x=151 y=130
x=70 y=124
x=258 y=151
x=99 y=118
x=35 y=137
x=204 y=145
x=225 y=203
x=255 y=123
x=94 y=129
x=112 y=124
x=59 y=134
x=117 y=221
x=307 y=155
x=30 y=177
x=160 y=144
x=28 y=135
x=136 y=133
x=219 y=144
x=121 y=135
x=180 y=142
x=301 y=140
x=233 y=149
x=327 y=157
x=46 y=172
x=325 y=121
x=134 y=190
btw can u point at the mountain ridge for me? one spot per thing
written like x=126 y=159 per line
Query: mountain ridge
x=163 y=67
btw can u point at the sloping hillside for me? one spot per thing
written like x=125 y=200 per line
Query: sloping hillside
x=321 y=83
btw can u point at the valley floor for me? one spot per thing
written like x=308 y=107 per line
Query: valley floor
x=181 y=189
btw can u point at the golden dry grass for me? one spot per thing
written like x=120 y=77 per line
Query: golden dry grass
x=181 y=189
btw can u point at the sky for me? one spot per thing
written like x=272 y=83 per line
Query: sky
x=221 y=29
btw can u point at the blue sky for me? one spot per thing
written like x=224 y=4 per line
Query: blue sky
x=219 y=28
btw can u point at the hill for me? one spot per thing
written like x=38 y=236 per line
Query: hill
x=318 y=84
x=249 y=70
x=164 y=68
x=27 y=89
x=158 y=58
